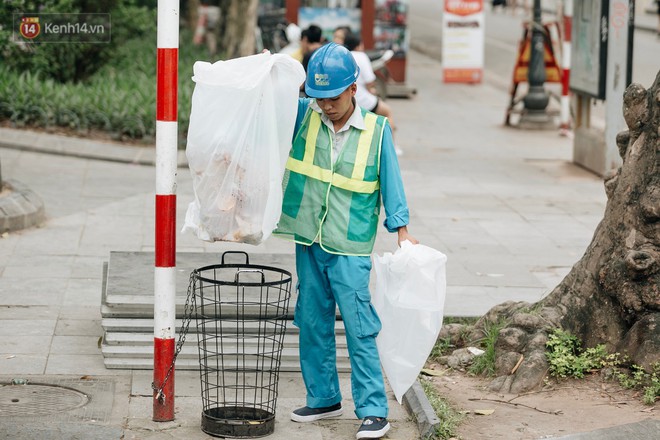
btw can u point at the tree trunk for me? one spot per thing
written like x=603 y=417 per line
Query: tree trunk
x=192 y=14
x=237 y=36
x=612 y=295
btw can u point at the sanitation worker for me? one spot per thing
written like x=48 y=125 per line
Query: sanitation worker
x=341 y=164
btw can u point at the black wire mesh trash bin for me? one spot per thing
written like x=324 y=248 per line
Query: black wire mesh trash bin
x=240 y=311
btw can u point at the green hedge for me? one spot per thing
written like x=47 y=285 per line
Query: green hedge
x=70 y=61
x=119 y=97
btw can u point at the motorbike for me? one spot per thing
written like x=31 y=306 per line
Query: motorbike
x=379 y=60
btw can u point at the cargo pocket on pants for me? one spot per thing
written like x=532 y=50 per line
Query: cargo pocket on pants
x=368 y=320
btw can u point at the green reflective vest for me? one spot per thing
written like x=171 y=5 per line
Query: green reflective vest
x=333 y=202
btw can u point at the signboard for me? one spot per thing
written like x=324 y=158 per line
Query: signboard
x=330 y=19
x=589 y=51
x=463 y=41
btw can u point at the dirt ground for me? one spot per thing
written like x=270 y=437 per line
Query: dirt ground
x=558 y=409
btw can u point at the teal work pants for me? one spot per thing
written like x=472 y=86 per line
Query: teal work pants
x=326 y=281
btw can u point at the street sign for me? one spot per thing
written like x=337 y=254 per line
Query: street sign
x=553 y=74
x=589 y=48
x=463 y=41
x=552 y=71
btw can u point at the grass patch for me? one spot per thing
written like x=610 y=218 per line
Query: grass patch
x=484 y=365
x=640 y=379
x=465 y=320
x=449 y=417
x=444 y=346
x=567 y=358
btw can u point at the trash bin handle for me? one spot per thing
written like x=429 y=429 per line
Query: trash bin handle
x=239 y=271
x=247 y=258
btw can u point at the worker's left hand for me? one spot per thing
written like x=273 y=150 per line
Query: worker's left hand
x=404 y=235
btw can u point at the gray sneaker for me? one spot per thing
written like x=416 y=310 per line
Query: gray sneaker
x=373 y=427
x=307 y=414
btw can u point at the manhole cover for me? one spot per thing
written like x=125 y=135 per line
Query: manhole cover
x=38 y=400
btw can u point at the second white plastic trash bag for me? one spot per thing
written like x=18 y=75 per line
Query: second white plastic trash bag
x=410 y=300
x=241 y=126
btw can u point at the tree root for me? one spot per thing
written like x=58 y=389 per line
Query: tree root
x=507 y=402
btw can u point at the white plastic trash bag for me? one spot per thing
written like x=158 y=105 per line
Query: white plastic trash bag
x=241 y=126
x=410 y=300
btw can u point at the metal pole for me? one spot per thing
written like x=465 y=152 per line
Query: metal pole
x=565 y=112
x=167 y=57
x=536 y=100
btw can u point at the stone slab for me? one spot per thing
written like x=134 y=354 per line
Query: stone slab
x=129 y=284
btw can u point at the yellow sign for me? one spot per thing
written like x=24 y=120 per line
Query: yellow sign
x=552 y=71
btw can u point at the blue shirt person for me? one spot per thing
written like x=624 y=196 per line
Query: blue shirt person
x=342 y=165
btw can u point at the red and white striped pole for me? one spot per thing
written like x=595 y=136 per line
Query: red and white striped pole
x=565 y=101
x=166 y=166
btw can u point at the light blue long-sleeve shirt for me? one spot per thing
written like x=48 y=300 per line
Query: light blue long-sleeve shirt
x=391 y=184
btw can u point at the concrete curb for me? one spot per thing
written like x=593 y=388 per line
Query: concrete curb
x=20 y=207
x=30 y=140
x=418 y=405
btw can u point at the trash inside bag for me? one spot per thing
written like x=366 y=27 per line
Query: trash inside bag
x=410 y=299
x=241 y=126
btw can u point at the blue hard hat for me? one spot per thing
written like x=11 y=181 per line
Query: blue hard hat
x=331 y=70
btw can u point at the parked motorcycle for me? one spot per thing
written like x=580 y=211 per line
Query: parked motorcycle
x=379 y=60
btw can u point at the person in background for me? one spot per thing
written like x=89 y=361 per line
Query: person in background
x=312 y=39
x=366 y=94
x=339 y=34
x=208 y=20
x=500 y=3
x=293 y=35
x=341 y=165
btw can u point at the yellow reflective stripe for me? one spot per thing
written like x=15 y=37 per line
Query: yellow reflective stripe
x=354 y=183
x=349 y=184
x=327 y=176
x=307 y=169
x=312 y=133
x=380 y=135
x=364 y=145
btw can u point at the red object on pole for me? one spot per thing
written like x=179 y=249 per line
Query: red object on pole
x=568 y=30
x=565 y=103
x=167 y=57
x=163 y=355
x=165 y=230
x=167 y=84
x=368 y=18
x=292 y=7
